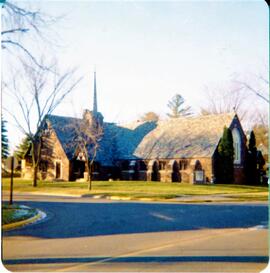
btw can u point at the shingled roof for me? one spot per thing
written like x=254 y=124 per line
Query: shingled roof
x=174 y=138
x=117 y=142
x=184 y=137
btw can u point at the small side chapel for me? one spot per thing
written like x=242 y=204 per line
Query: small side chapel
x=174 y=150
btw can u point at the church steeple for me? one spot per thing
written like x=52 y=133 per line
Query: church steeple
x=95 y=110
x=94 y=118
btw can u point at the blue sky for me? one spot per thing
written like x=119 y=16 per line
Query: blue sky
x=145 y=52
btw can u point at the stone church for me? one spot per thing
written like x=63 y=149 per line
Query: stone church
x=174 y=150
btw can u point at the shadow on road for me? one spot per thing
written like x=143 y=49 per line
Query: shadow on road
x=74 y=219
x=142 y=259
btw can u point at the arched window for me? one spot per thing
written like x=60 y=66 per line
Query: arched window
x=236 y=145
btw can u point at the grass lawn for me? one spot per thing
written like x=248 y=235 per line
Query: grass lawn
x=15 y=213
x=139 y=189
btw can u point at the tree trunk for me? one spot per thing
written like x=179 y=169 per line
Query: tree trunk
x=11 y=181
x=35 y=177
x=34 y=165
x=90 y=177
x=35 y=160
x=90 y=183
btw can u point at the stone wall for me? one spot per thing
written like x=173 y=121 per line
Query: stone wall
x=207 y=167
x=167 y=170
x=165 y=176
x=51 y=154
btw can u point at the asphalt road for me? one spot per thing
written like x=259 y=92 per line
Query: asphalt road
x=96 y=235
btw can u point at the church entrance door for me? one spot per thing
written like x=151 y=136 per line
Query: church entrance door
x=78 y=169
x=58 y=170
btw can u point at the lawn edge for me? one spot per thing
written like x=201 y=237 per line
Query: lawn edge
x=191 y=199
x=21 y=223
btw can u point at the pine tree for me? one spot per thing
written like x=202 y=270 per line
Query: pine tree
x=251 y=168
x=225 y=158
x=176 y=107
x=4 y=139
x=252 y=142
x=22 y=148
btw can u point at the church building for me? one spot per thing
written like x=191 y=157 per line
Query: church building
x=174 y=150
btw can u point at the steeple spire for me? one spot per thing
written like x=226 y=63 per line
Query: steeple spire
x=95 y=110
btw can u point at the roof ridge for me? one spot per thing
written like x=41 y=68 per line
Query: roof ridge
x=65 y=117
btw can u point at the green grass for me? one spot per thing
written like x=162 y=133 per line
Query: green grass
x=139 y=189
x=15 y=213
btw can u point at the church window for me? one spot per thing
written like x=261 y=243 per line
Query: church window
x=236 y=146
x=162 y=165
x=183 y=164
x=58 y=169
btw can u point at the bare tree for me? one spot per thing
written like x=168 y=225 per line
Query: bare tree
x=18 y=23
x=36 y=93
x=87 y=136
x=260 y=87
x=224 y=100
x=260 y=127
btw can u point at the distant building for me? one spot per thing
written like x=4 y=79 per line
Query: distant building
x=174 y=150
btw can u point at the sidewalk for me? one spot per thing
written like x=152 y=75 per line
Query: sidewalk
x=180 y=199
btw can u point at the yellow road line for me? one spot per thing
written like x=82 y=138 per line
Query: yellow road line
x=74 y=268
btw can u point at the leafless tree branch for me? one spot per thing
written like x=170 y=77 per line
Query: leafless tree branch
x=24 y=50
x=87 y=137
x=17 y=21
x=39 y=96
x=256 y=92
x=22 y=30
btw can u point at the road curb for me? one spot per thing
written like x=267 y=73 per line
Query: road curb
x=118 y=198
x=31 y=220
x=183 y=199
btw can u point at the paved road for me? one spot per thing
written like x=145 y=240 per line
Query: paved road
x=96 y=235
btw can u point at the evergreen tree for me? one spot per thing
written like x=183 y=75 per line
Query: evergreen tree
x=4 y=139
x=177 y=108
x=251 y=168
x=225 y=158
x=22 y=148
x=252 y=142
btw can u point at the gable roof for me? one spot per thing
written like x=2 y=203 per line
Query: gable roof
x=62 y=127
x=116 y=142
x=185 y=137
x=175 y=138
